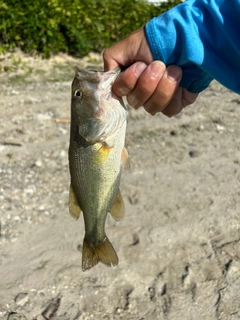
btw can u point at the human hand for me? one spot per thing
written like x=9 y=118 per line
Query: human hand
x=146 y=82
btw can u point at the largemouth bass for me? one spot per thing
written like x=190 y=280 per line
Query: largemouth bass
x=96 y=158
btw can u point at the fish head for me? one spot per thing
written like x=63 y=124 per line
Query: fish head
x=97 y=110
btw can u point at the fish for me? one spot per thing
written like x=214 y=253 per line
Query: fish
x=97 y=155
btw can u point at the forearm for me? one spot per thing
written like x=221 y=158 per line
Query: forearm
x=201 y=36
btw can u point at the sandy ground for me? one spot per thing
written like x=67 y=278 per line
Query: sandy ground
x=178 y=245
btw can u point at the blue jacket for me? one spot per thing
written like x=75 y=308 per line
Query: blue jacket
x=203 y=37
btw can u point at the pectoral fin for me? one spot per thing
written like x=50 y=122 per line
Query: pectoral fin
x=102 y=154
x=74 y=207
x=125 y=163
x=118 y=208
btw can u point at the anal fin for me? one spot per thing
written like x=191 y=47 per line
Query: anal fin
x=118 y=209
x=74 y=207
x=103 y=252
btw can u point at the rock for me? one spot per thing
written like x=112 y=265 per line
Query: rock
x=21 y=299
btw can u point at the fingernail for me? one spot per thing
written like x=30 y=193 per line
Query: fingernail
x=122 y=91
x=174 y=73
x=132 y=102
x=151 y=112
x=157 y=69
x=139 y=67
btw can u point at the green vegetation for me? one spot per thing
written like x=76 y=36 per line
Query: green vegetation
x=73 y=26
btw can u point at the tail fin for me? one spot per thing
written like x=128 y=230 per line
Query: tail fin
x=104 y=252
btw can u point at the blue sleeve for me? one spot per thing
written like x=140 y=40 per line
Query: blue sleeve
x=203 y=37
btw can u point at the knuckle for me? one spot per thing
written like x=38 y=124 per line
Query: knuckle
x=145 y=89
x=165 y=92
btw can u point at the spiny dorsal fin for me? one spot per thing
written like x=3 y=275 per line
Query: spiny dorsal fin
x=74 y=207
x=118 y=208
x=125 y=163
x=103 y=252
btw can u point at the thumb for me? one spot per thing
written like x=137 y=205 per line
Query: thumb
x=127 y=51
x=117 y=55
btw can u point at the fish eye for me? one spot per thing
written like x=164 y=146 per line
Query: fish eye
x=77 y=93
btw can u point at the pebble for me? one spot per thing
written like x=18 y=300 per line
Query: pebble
x=21 y=299
x=39 y=163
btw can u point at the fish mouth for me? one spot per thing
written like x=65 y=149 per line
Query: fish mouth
x=105 y=79
x=109 y=78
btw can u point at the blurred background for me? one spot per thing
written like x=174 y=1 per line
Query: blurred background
x=75 y=27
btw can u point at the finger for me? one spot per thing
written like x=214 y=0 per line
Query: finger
x=109 y=56
x=127 y=79
x=175 y=106
x=164 y=91
x=181 y=99
x=146 y=85
x=188 y=97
